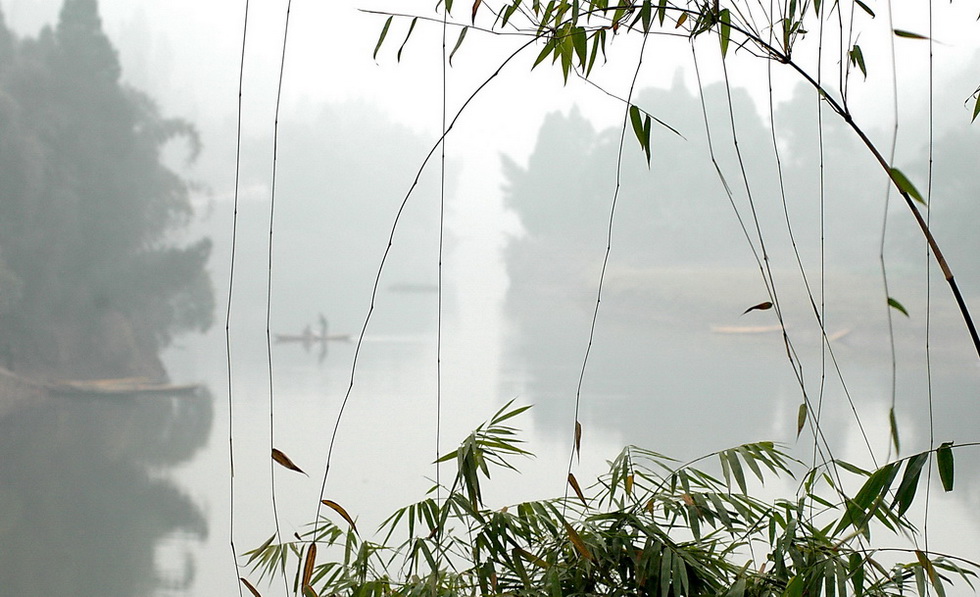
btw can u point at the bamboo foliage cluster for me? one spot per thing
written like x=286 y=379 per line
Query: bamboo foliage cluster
x=649 y=526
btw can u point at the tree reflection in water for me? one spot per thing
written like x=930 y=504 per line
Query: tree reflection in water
x=85 y=498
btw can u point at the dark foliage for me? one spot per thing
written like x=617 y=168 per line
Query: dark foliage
x=86 y=207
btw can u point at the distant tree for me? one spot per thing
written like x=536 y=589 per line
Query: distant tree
x=86 y=206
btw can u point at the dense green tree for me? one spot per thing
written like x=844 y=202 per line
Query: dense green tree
x=92 y=284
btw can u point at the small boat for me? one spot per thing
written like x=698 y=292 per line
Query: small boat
x=746 y=329
x=311 y=338
x=308 y=336
x=125 y=386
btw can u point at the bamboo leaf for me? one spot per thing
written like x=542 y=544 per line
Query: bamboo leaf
x=407 y=36
x=629 y=484
x=944 y=460
x=897 y=306
x=910 y=482
x=865 y=7
x=737 y=471
x=309 y=565
x=580 y=545
x=340 y=510
x=530 y=557
x=284 y=460
x=641 y=131
x=976 y=107
x=459 y=42
x=258 y=552
x=248 y=585
x=647 y=128
x=926 y=565
x=801 y=419
x=381 y=38
x=580 y=42
x=794 y=588
x=725 y=30
x=908 y=34
x=578 y=439
x=857 y=59
x=549 y=47
x=760 y=307
x=893 y=424
x=680 y=20
x=905 y=185
x=476 y=7
x=578 y=490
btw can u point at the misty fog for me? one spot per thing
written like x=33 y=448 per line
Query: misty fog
x=478 y=284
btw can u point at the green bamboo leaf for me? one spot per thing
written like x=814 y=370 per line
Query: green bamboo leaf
x=647 y=129
x=944 y=460
x=637 y=121
x=737 y=471
x=794 y=588
x=868 y=500
x=598 y=43
x=801 y=419
x=905 y=185
x=408 y=35
x=381 y=39
x=855 y=564
x=897 y=306
x=865 y=7
x=459 y=42
x=893 y=425
x=646 y=14
x=580 y=42
x=857 y=59
x=908 y=34
x=976 y=107
x=910 y=482
x=549 y=47
x=725 y=18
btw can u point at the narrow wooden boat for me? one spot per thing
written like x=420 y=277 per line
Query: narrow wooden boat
x=128 y=386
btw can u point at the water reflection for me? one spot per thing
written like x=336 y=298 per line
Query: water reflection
x=86 y=498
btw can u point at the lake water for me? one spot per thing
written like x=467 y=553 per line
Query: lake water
x=104 y=497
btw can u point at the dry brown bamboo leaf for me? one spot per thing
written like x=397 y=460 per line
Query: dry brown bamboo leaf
x=248 y=585
x=476 y=7
x=680 y=20
x=688 y=499
x=577 y=542
x=310 y=563
x=578 y=439
x=760 y=307
x=285 y=461
x=578 y=490
x=340 y=510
